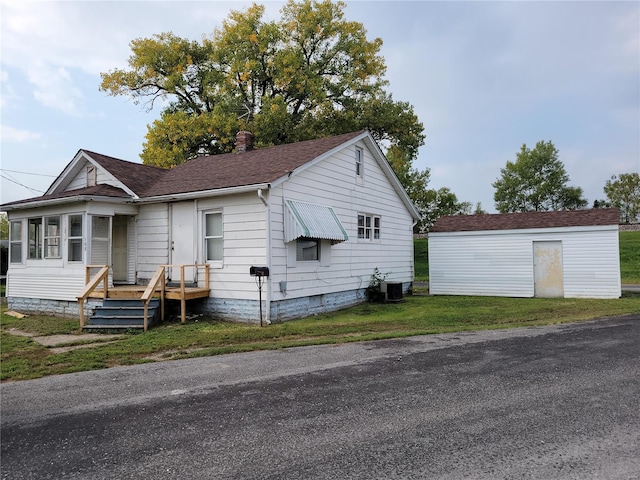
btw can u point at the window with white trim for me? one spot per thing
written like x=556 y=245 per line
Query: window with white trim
x=44 y=237
x=35 y=237
x=74 y=239
x=52 y=237
x=15 y=241
x=368 y=227
x=307 y=249
x=359 y=165
x=213 y=237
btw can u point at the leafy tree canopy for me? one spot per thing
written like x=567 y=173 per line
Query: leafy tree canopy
x=414 y=181
x=536 y=181
x=308 y=75
x=623 y=192
x=442 y=202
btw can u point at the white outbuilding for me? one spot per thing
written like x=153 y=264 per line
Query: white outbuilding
x=572 y=254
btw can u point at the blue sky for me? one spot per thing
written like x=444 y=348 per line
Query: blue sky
x=483 y=77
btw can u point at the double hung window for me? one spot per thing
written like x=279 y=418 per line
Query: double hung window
x=74 y=238
x=359 y=166
x=213 y=237
x=52 y=237
x=368 y=227
x=15 y=241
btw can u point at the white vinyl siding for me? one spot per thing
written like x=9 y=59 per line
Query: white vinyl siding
x=500 y=263
x=351 y=264
x=86 y=174
x=153 y=239
x=244 y=243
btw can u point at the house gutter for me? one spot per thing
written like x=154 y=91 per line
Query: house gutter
x=268 y=215
x=217 y=192
x=62 y=201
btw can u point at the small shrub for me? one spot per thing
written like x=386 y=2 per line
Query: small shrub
x=372 y=292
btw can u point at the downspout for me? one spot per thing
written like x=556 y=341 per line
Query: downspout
x=413 y=250
x=268 y=214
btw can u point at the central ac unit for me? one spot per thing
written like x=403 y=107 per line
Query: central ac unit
x=392 y=291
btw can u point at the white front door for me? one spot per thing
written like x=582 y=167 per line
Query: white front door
x=183 y=251
x=547 y=269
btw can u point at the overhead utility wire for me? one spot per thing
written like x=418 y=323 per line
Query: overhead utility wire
x=27 y=173
x=13 y=180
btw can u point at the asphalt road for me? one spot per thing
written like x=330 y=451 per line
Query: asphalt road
x=558 y=402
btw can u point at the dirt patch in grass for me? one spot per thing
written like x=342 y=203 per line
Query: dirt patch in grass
x=67 y=342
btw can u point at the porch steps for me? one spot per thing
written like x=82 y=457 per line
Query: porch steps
x=122 y=314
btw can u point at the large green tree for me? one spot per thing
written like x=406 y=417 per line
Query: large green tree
x=414 y=181
x=623 y=192
x=310 y=74
x=536 y=181
x=442 y=202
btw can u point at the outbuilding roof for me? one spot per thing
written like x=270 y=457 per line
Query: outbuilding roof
x=515 y=221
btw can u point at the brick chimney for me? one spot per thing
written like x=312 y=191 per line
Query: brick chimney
x=244 y=141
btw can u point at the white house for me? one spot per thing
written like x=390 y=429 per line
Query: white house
x=542 y=254
x=320 y=214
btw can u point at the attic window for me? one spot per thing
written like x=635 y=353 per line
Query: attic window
x=358 y=159
x=92 y=178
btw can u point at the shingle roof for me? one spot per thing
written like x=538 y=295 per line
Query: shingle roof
x=101 y=190
x=259 y=166
x=135 y=176
x=514 y=221
x=262 y=165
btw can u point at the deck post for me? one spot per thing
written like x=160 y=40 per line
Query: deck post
x=183 y=301
x=81 y=311
x=162 y=299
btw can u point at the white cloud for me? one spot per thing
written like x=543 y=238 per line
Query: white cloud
x=10 y=134
x=7 y=93
x=54 y=88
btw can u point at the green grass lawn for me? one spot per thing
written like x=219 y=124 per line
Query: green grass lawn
x=629 y=258
x=22 y=358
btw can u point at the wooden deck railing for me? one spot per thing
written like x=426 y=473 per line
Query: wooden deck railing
x=159 y=277
x=91 y=284
x=157 y=287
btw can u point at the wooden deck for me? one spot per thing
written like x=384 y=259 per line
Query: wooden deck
x=157 y=287
x=136 y=291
